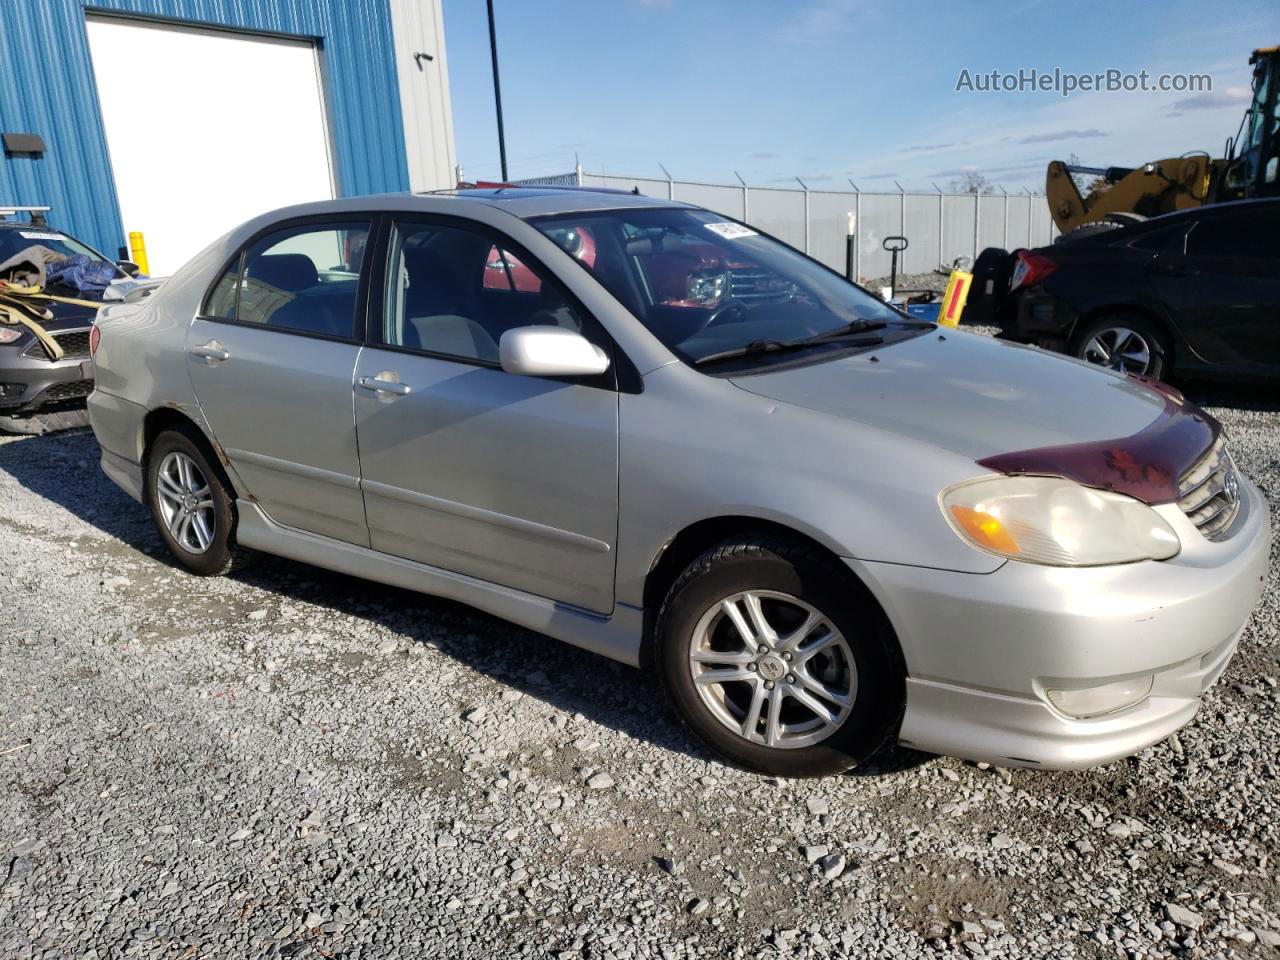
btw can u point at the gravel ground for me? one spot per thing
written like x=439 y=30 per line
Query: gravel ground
x=296 y=764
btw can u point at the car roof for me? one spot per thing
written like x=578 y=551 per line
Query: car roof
x=1211 y=210
x=527 y=202
x=1130 y=232
x=521 y=202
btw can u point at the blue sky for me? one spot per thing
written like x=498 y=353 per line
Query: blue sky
x=832 y=89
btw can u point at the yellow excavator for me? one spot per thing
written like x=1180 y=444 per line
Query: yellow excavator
x=1120 y=194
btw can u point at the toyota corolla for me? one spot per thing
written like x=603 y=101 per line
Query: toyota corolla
x=822 y=523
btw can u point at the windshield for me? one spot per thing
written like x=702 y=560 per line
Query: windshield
x=33 y=255
x=706 y=286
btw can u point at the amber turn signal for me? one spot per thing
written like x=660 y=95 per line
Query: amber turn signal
x=985 y=529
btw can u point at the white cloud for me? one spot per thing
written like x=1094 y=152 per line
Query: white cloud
x=1064 y=135
x=1230 y=97
x=824 y=20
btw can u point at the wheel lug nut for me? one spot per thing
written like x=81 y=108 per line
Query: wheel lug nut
x=751 y=666
x=786 y=656
x=791 y=678
x=768 y=684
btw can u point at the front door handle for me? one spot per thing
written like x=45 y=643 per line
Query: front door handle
x=211 y=352
x=383 y=384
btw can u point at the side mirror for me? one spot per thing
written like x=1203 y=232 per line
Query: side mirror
x=129 y=267
x=550 y=352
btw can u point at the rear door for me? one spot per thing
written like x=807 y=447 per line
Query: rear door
x=272 y=357
x=507 y=478
x=1225 y=290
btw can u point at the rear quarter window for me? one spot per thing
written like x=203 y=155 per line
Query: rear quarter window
x=221 y=301
x=1163 y=240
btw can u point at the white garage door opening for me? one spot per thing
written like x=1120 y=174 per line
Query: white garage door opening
x=206 y=129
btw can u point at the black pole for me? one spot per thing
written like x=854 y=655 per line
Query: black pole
x=497 y=93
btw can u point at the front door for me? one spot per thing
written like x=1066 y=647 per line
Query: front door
x=507 y=478
x=1226 y=288
x=272 y=357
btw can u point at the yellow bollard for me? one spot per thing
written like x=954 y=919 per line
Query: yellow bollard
x=138 y=251
x=953 y=300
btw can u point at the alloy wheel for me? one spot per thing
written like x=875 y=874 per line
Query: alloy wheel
x=186 y=502
x=773 y=669
x=1119 y=348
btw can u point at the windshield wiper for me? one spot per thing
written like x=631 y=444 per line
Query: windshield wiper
x=848 y=330
x=758 y=348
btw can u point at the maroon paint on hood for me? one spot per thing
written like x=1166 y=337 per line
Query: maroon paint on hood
x=1145 y=466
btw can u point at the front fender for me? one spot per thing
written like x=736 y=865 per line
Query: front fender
x=695 y=448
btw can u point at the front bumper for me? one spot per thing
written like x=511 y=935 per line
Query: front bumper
x=30 y=381
x=981 y=649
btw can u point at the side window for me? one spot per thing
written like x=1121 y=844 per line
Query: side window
x=504 y=271
x=1254 y=234
x=301 y=278
x=441 y=298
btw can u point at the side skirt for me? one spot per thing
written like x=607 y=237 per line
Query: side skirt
x=616 y=637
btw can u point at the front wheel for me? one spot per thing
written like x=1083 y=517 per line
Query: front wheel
x=775 y=663
x=192 y=507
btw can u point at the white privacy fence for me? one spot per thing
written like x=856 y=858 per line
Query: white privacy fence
x=939 y=226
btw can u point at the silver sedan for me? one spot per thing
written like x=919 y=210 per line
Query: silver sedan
x=650 y=431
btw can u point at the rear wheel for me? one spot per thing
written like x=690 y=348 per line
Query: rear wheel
x=191 y=504
x=775 y=663
x=1126 y=343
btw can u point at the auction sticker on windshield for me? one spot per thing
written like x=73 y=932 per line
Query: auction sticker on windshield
x=730 y=231
x=33 y=235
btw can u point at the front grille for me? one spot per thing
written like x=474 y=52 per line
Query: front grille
x=1209 y=493
x=75 y=346
x=753 y=285
x=73 y=390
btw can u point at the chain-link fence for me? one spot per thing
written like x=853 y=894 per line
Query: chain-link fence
x=939 y=226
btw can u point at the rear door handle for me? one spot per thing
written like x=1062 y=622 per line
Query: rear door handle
x=211 y=352
x=380 y=384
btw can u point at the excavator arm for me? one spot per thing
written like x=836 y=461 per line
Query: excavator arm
x=1186 y=181
x=1149 y=190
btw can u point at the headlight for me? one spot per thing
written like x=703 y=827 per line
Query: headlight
x=9 y=334
x=708 y=286
x=1057 y=522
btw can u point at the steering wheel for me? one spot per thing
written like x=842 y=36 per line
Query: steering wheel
x=722 y=313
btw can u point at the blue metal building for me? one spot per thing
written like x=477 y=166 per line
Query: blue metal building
x=382 y=76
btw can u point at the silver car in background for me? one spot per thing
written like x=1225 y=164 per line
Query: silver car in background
x=652 y=432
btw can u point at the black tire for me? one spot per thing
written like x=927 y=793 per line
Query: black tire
x=770 y=563
x=1160 y=351
x=221 y=555
x=1109 y=223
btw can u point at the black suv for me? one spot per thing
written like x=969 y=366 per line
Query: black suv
x=1194 y=293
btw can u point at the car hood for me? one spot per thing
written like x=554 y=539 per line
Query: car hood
x=969 y=394
x=67 y=316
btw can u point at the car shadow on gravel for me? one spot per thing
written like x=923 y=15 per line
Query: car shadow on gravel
x=63 y=469
x=571 y=680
